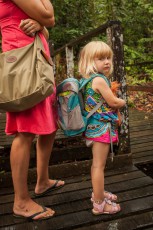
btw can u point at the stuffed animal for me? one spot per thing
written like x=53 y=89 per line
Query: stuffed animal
x=115 y=87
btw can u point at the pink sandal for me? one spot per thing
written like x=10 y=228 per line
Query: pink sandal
x=98 y=209
x=111 y=196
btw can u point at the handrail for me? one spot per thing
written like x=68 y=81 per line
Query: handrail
x=88 y=35
x=148 y=89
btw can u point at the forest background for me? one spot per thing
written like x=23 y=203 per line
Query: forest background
x=75 y=18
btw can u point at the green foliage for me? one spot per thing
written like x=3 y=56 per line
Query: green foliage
x=74 y=18
x=131 y=103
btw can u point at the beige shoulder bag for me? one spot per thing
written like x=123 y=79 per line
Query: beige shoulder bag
x=26 y=77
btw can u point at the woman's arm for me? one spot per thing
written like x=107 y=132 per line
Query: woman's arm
x=39 y=10
x=100 y=86
x=30 y=27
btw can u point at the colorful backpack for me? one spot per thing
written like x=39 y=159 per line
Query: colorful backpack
x=72 y=118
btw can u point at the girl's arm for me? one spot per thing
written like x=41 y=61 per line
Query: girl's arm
x=100 y=86
x=40 y=10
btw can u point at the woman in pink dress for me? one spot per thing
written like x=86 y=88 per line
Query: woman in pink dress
x=18 y=30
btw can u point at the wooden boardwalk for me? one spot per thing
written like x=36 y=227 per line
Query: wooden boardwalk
x=72 y=202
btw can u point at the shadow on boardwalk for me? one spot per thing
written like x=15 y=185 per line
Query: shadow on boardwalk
x=72 y=202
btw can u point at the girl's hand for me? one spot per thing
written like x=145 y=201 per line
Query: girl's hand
x=30 y=26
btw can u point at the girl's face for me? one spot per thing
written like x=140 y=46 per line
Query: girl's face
x=103 y=65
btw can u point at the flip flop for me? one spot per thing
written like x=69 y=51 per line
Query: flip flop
x=53 y=187
x=30 y=218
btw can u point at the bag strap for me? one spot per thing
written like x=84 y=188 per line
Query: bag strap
x=94 y=109
x=93 y=75
x=84 y=84
x=38 y=43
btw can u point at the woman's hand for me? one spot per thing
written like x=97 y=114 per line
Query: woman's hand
x=30 y=26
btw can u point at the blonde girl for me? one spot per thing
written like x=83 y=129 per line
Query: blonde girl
x=95 y=62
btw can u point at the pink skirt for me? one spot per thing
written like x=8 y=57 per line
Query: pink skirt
x=105 y=138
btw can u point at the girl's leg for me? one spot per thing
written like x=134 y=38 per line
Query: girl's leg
x=100 y=153
x=20 y=155
x=44 y=149
x=106 y=194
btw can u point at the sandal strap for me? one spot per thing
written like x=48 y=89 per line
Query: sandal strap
x=114 y=207
x=37 y=213
x=111 y=196
x=100 y=207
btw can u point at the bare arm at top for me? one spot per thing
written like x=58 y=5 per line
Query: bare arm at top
x=39 y=10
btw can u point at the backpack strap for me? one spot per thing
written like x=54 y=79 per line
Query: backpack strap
x=94 y=109
x=93 y=75
x=83 y=83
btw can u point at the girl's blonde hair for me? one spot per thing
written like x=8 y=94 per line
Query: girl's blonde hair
x=94 y=49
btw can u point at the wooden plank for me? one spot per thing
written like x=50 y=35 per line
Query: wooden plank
x=135 y=141
x=139 y=221
x=141 y=134
x=144 y=144
x=84 y=177
x=73 y=168
x=142 y=160
x=142 y=154
x=72 y=202
x=76 y=215
x=56 y=199
x=141 y=127
x=142 y=149
x=82 y=182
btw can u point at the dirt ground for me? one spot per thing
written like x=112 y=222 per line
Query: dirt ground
x=141 y=100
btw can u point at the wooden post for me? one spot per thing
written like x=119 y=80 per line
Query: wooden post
x=115 y=40
x=69 y=61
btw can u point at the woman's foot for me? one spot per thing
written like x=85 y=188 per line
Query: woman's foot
x=44 y=189
x=31 y=210
x=108 y=195
x=105 y=207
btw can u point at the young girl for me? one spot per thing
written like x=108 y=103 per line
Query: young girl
x=96 y=60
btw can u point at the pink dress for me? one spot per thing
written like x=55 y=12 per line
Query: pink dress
x=41 y=119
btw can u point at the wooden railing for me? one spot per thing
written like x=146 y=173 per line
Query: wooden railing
x=114 y=35
x=140 y=88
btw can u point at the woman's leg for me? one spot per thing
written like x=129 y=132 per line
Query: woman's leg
x=44 y=149
x=20 y=156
